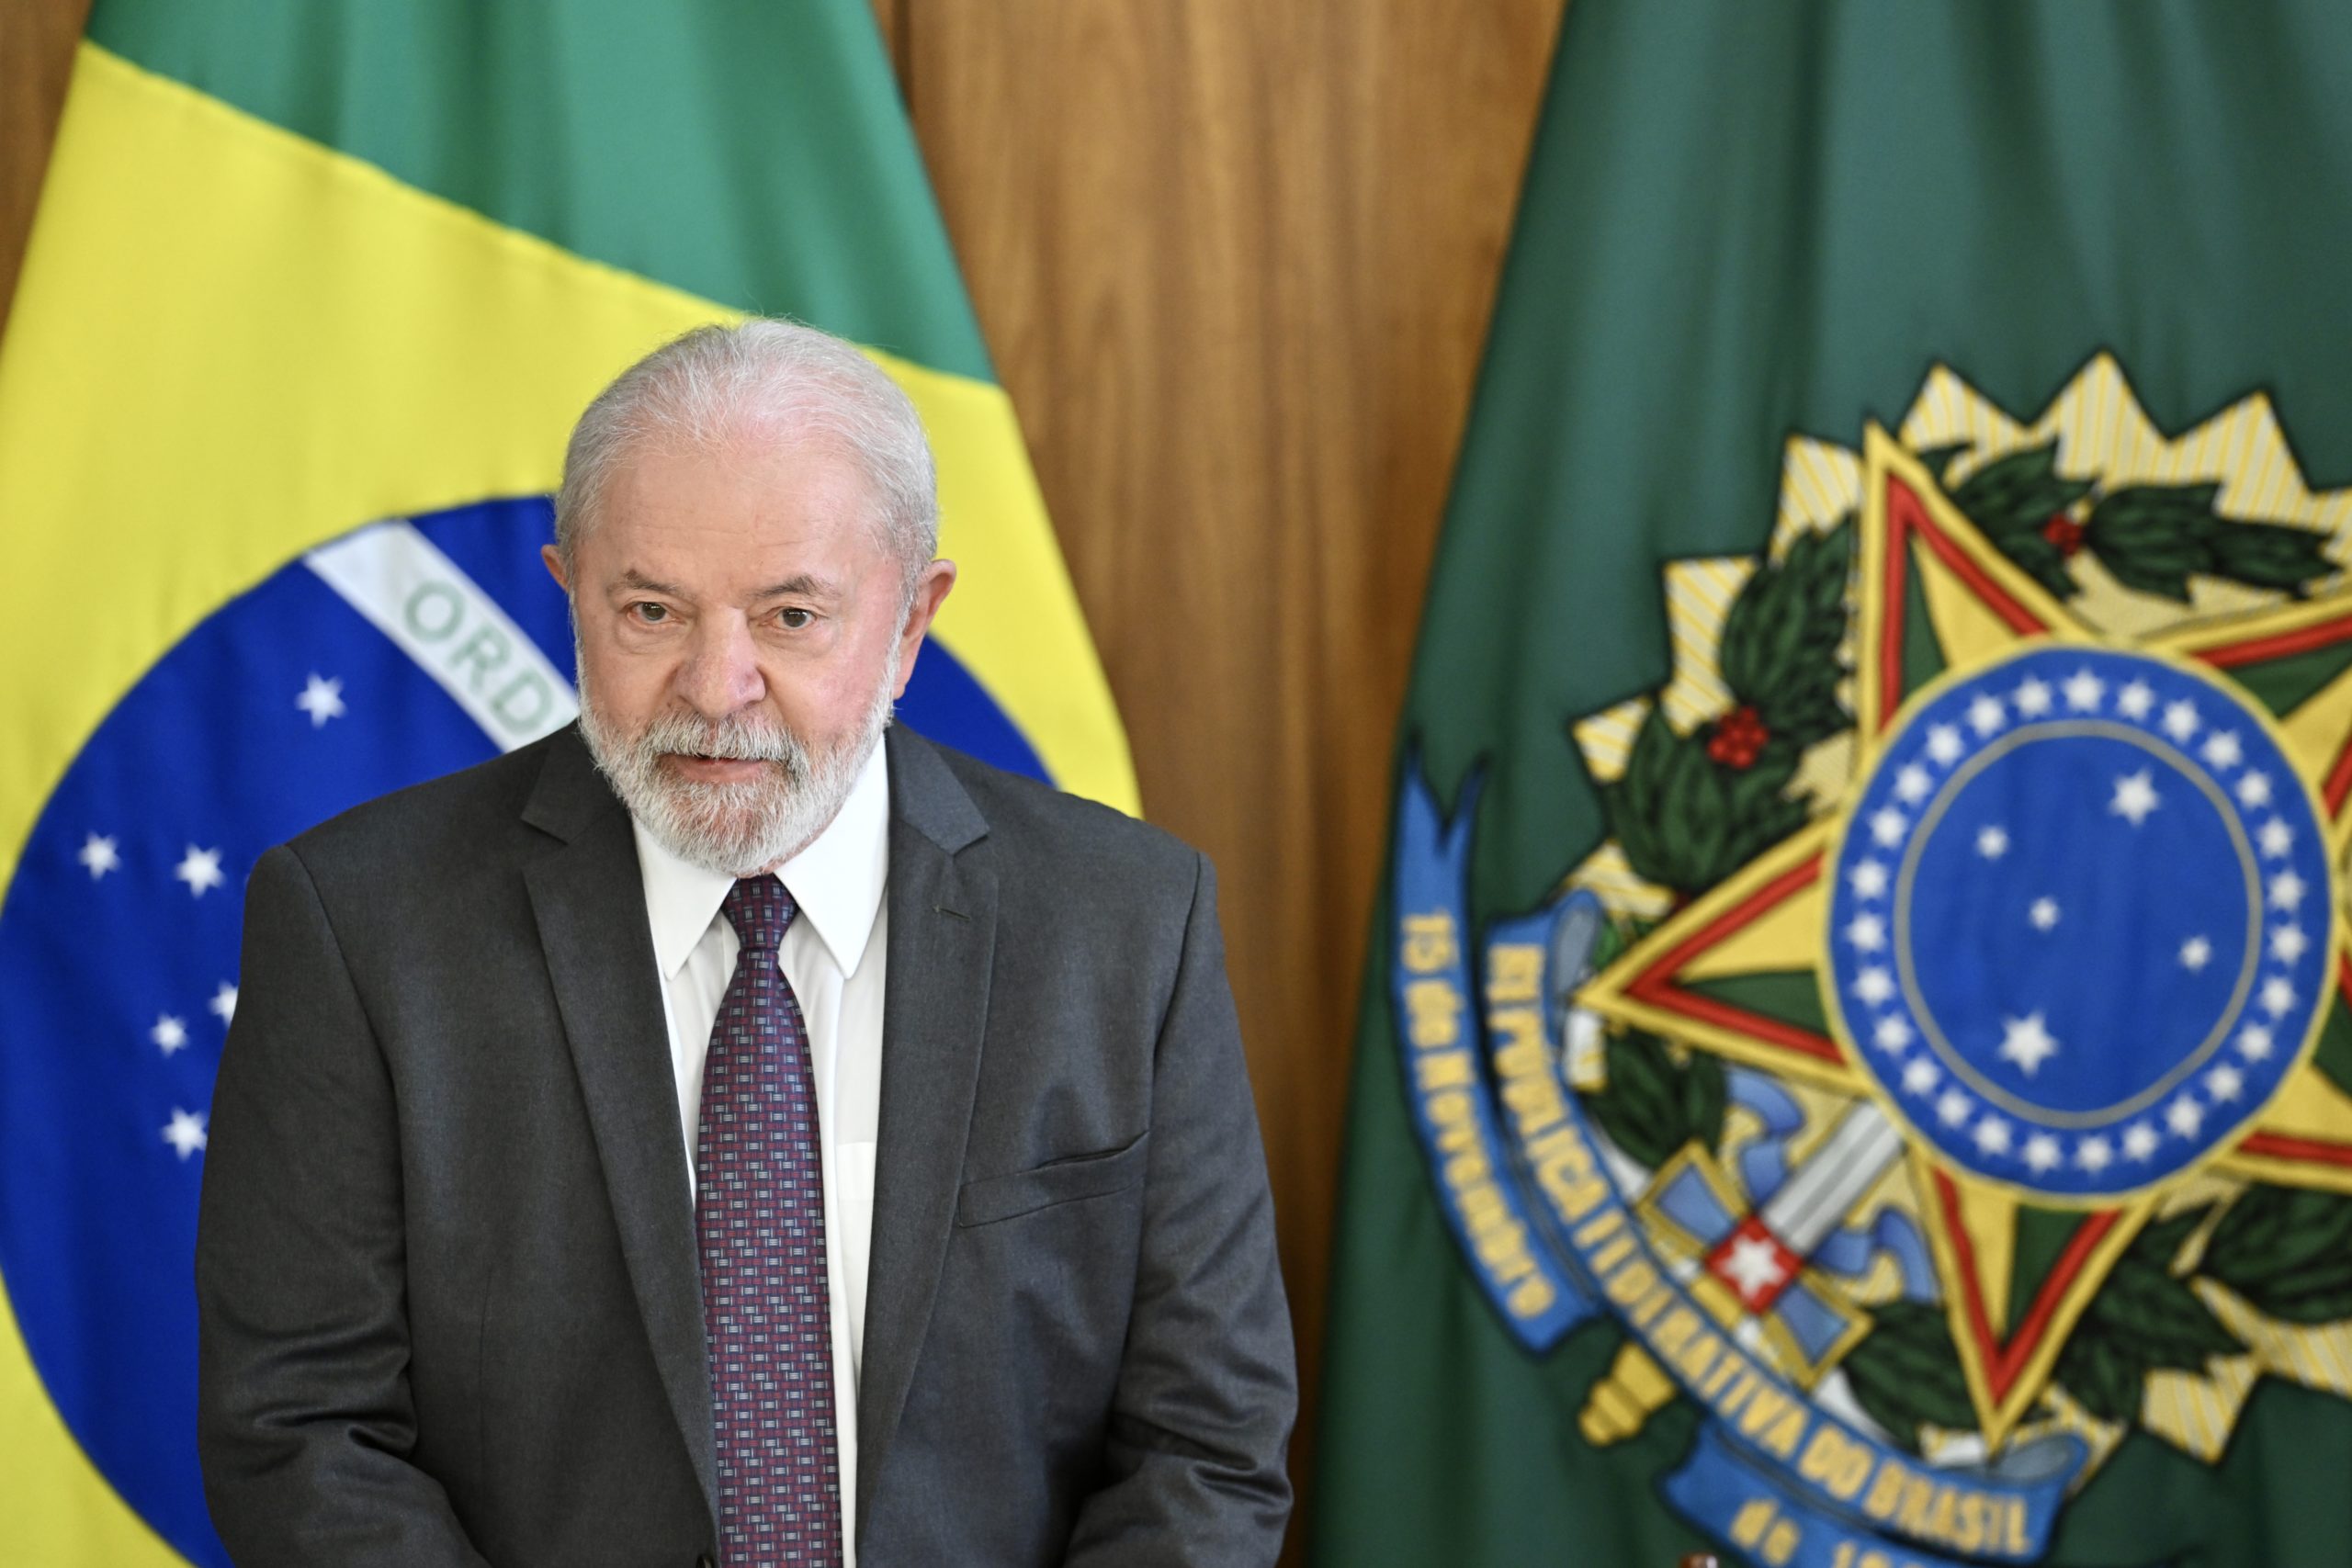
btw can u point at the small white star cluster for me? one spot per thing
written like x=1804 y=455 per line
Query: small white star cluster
x=199 y=871
x=2220 y=1088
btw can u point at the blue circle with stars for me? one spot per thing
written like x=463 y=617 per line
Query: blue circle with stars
x=119 y=929
x=2080 y=926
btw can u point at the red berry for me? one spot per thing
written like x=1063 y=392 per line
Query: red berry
x=1738 y=739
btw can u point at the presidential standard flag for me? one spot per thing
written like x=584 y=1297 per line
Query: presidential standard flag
x=315 y=290
x=1856 y=1066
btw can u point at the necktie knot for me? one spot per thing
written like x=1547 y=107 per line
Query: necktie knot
x=759 y=907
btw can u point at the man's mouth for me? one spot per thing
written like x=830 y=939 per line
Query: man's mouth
x=702 y=765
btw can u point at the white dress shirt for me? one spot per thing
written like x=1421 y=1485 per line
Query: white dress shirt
x=833 y=954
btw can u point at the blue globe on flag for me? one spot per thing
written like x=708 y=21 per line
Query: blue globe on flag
x=2072 y=940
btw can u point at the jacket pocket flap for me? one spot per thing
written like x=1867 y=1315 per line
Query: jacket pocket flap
x=993 y=1198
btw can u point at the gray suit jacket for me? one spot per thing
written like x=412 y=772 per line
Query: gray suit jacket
x=447 y=1272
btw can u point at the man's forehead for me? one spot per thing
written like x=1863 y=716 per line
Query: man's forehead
x=801 y=466
x=769 y=512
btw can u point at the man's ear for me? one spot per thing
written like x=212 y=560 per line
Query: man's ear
x=554 y=557
x=931 y=592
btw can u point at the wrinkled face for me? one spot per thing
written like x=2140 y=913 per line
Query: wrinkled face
x=741 y=635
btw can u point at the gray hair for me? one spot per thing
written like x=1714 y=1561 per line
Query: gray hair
x=768 y=381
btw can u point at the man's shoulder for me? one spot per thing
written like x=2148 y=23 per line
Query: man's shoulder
x=458 y=814
x=1062 y=836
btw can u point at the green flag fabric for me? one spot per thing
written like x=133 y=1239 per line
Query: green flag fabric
x=1855 y=1064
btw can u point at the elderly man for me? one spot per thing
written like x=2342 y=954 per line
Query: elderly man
x=731 y=1131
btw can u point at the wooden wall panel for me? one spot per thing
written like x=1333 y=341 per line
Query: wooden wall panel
x=37 y=40
x=1235 y=261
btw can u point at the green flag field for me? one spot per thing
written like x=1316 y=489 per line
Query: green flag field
x=1855 y=1064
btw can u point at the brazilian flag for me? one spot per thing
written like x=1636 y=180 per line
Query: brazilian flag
x=1856 y=1066
x=315 y=290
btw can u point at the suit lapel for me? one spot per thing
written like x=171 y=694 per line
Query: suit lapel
x=943 y=936
x=589 y=899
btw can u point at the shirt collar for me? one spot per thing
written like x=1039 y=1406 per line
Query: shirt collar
x=837 y=881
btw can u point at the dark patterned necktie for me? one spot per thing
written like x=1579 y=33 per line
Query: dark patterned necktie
x=759 y=1217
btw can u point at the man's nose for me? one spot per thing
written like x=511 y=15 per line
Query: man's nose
x=722 y=675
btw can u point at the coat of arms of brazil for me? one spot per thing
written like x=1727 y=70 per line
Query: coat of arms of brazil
x=1943 y=1068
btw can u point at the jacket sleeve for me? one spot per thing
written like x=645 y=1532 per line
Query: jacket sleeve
x=1207 y=1390
x=305 y=1426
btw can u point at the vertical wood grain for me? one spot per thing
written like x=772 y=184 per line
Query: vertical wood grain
x=37 y=40
x=1235 y=263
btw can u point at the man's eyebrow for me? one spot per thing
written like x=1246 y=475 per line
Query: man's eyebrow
x=800 y=585
x=638 y=580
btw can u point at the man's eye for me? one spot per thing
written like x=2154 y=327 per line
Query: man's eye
x=651 y=615
x=793 y=620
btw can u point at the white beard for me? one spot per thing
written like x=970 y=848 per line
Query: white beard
x=735 y=829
